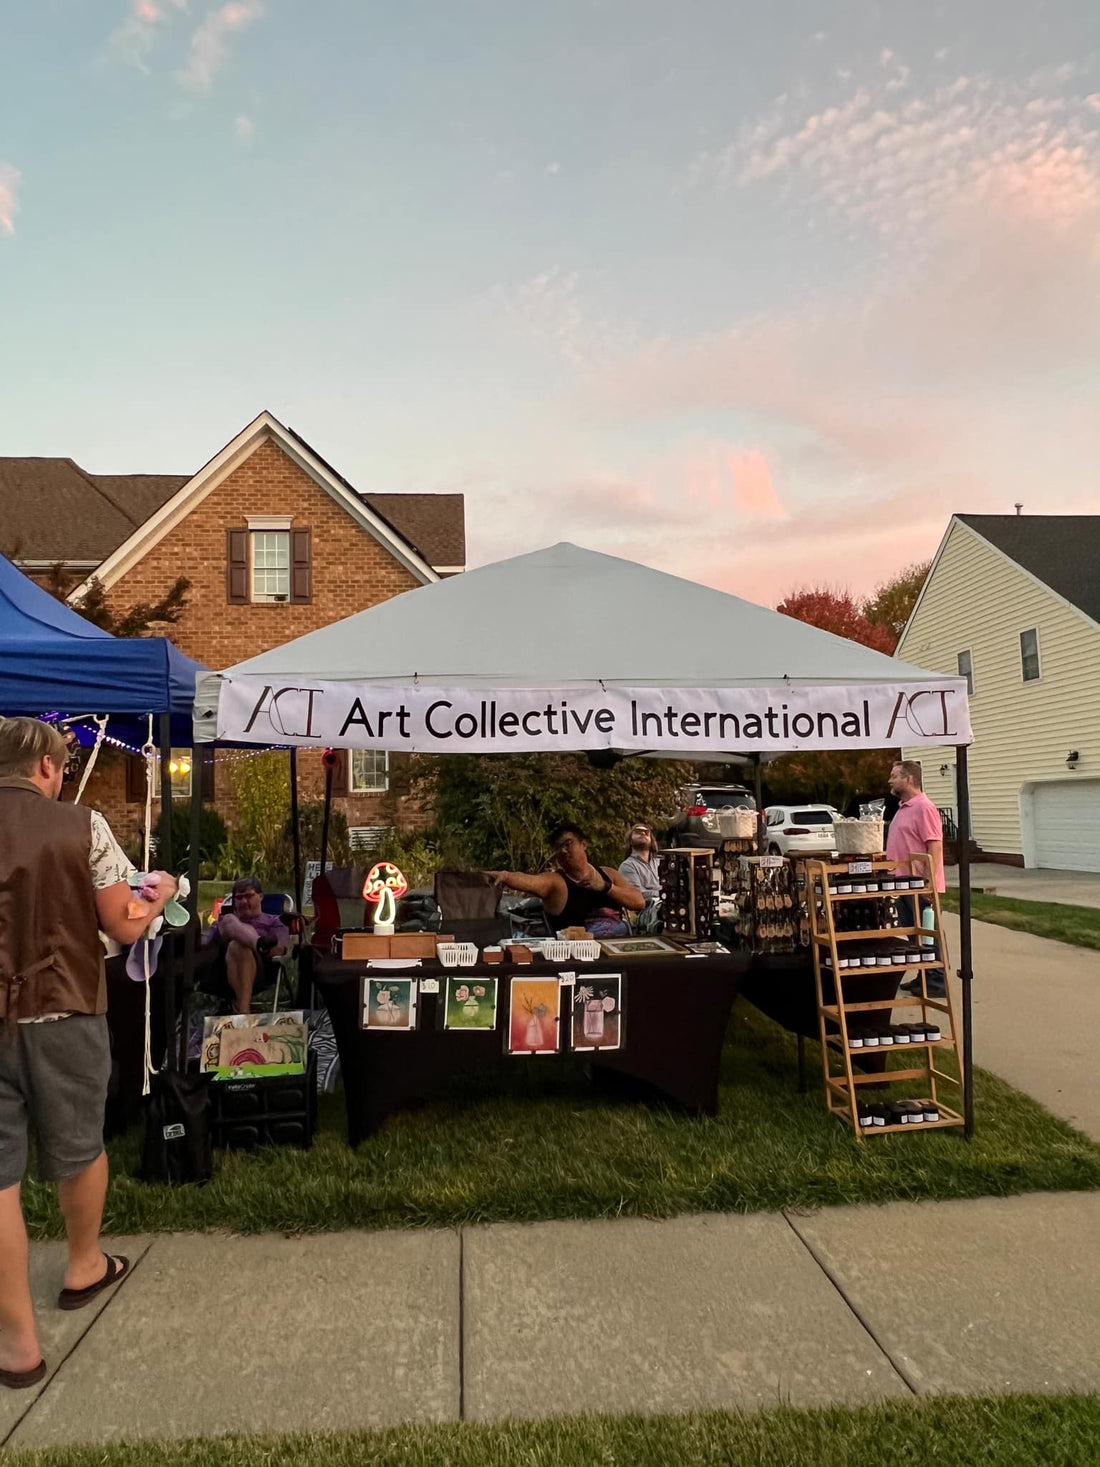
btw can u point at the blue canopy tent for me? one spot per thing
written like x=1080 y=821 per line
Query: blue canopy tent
x=52 y=660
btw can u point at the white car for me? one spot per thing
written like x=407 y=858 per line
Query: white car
x=799 y=830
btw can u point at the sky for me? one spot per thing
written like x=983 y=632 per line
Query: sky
x=756 y=294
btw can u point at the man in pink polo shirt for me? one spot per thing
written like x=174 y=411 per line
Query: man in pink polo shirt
x=916 y=830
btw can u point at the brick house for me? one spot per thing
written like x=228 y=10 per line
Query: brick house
x=274 y=542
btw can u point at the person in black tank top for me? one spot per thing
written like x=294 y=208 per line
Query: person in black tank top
x=577 y=894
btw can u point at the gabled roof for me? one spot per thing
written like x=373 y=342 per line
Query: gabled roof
x=1061 y=550
x=191 y=494
x=52 y=510
x=434 y=523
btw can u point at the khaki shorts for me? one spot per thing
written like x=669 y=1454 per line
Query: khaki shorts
x=53 y=1077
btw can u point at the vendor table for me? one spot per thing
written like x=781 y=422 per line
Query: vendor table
x=676 y=1013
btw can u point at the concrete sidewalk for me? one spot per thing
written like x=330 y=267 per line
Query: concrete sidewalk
x=1076 y=888
x=1036 y=1017
x=213 y=1334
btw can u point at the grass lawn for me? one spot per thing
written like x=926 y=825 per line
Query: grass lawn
x=1077 y=925
x=1007 y=1431
x=533 y=1141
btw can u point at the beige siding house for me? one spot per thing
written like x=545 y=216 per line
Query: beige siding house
x=1013 y=603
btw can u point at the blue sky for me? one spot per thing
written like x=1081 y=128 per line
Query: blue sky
x=758 y=294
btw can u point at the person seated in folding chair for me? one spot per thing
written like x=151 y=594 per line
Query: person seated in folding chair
x=577 y=894
x=250 y=939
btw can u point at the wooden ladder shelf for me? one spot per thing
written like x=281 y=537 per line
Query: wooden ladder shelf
x=843 y=1086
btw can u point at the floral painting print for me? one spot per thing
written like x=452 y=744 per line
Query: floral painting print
x=471 y=1004
x=597 y=1013
x=533 y=1016
x=389 y=1004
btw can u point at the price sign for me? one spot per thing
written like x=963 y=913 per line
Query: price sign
x=860 y=868
x=771 y=863
x=429 y=985
x=567 y=980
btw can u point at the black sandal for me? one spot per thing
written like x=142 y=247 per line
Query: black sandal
x=117 y=1269
x=19 y=1380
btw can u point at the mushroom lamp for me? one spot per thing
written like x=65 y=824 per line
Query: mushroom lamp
x=384 y=884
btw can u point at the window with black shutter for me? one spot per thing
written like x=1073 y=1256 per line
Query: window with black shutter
x=236 y=568
x=301 y=566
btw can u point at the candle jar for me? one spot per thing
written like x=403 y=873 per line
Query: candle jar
x=593 y=1018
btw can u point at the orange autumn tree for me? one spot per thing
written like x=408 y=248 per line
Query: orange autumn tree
x=837 y=778
x=840 y=613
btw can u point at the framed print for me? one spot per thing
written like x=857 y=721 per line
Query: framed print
x=470 y=1004
x=533 y=1026
x=389 y=1005
x=637 y=947
x=214 y=1025
x=597 y=1013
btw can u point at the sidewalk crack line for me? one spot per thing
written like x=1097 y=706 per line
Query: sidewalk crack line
x=895 y=1365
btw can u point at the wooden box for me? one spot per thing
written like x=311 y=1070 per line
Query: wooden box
x=412 y=945
x=358 y=946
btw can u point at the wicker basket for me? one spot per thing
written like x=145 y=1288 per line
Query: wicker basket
x=736 y=824
x=857 y=837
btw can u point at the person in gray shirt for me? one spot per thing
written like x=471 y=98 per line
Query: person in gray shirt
x=640 y=869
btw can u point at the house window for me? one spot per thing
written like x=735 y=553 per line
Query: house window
x=271 y=565
x=1029 y=655
x=179 y=769
x=269 y=562
x=965 y=664
x=368 y=772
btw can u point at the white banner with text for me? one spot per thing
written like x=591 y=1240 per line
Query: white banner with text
x=684 y=721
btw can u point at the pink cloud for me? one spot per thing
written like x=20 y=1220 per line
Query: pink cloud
x=9 y=189
x=209 y=44
x=890 y=160
x=133 y=39
x=753 y=489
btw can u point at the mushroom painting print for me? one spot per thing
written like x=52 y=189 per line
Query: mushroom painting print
x=533 y=1016
x=471 y=1004
x=389 y=1004
x=598 y=1013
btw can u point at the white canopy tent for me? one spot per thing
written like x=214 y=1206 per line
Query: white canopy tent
x=567 y=649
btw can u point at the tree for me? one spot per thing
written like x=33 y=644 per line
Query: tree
x=140 y=617
x=892 y=604
x=837 y=612
x=495 y=811
x=833 y=777
x=92 y=606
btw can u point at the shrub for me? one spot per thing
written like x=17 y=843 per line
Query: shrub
x=212 y=834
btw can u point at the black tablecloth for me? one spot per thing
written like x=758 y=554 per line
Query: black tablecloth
x=676 y=1014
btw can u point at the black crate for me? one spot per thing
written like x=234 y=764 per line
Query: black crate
x=276 y=1110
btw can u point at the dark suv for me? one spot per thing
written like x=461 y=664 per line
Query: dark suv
x=696 y=821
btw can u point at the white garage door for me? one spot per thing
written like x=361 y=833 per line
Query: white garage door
x=1067 y=825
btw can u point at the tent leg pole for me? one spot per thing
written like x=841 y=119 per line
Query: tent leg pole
x=164 y=863
x=325 y=818
x=295 y=832
x=191 y=936
x=966 y=951
x=758 y=793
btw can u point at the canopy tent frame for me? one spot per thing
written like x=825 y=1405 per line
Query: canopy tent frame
x=418 y=639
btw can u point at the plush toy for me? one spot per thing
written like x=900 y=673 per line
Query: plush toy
x=146 y=888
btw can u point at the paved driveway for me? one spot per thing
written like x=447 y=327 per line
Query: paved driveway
x=1077 y=888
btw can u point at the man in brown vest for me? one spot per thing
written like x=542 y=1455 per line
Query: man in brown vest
x=62 y=881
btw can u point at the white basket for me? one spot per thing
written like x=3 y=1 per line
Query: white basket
x=447 y=953
x=585 y=950
x=736 y=823
x=467 y=954
x=554 y=950
x=857 y=837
